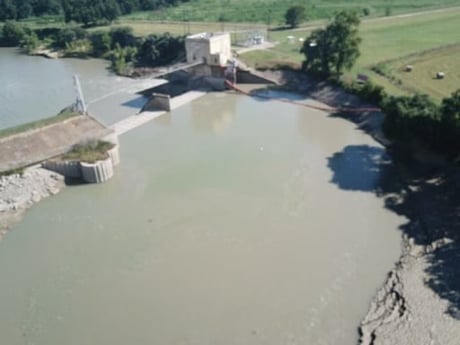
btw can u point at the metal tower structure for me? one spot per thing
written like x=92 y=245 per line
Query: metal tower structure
x=80 y=102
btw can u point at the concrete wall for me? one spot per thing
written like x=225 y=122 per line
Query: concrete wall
x=65 y=168
x=97 y=172
x=158 y=101
x=213 y=48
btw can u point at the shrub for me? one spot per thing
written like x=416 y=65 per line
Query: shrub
x=13 y=33
x=90 y=151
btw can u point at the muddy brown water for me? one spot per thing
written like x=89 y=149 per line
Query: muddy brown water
x=229 y=221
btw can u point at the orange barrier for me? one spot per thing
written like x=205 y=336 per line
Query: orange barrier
x=317 y=107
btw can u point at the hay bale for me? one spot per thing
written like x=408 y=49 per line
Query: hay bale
x=440 y=75
x=409 y=68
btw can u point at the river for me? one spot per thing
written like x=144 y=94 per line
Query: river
x=231 y=220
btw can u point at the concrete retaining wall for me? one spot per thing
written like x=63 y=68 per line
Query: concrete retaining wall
x=158 y=101
x=66 y=168
x=97 y=172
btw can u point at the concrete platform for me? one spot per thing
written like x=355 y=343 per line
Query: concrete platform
x=137 y=120
x=37 y=145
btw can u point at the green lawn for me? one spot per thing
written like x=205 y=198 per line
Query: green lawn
x=264 y=11
x=384 y=39
x=426 y=65
x=145 y=27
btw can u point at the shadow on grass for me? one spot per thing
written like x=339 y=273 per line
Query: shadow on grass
x=428 y=197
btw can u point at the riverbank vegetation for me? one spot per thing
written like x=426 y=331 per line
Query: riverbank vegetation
x=88 y=12
x=119 y=45
x=412 y=121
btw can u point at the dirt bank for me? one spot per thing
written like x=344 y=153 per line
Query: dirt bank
x=19 y=192
x=420 y=300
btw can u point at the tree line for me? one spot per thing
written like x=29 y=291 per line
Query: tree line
x=412 y=119
x=119 y=45
x=87 y=12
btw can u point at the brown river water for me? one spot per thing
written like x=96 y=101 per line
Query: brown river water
x=231 y=220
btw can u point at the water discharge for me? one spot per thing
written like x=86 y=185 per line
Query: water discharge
x=230 y=221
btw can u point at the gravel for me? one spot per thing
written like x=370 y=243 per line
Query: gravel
x=19 y=192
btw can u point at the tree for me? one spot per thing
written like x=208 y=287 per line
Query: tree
x=41 y=7
x=413 y=118
x=157 y=50
x=111 y=10
x=7 y=10
x=450 y=112
x=330 y=50
x=295 y=15
x=101 y=42
x=30 y=42
x=450 y=109
x=12 y=34
x=122 y=36
x=24 y=10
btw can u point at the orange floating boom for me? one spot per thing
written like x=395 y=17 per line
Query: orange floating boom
x=322 y=108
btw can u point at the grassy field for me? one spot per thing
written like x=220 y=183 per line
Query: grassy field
x=272 y=11
x=426 y=64
x=384 y=39
x=145 y=27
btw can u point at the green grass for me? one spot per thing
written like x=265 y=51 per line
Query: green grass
x=392 y=38
x=426 y=65
x=64 y=115
x=264 y=11
x=384 y=39
x=89 y=152
x=144 y=27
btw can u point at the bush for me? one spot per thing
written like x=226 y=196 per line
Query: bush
x=295 y=15
x=30 y=42
x=101 y=42
x=123 y=36
x=68 y=35
x=13 y=33
x=157 y=50
x=90 y=151
x=372 y=93
x=413 y=118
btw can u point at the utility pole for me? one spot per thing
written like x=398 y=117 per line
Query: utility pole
x=80 y=102
x=269 y=21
